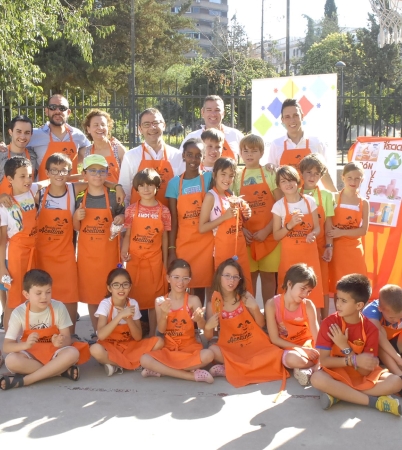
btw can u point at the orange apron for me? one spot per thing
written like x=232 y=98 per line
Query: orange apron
x=21 y=254
x=321 y=241
x=298 y=331
x=113 y=164
x=43 y=351
x=196 y=248
x=391 y=332
x=146 y=264
x=165 y=171
x=348 y=374
x=181 y=350
x=348 y=254
x=227 y=234
x=121 y=347
x=5 y=185
x=55 y=250
x=296 y=250
x=261 y=200
x=293 y=157
x=67 y=147
x=227 y=152
x=97 y=255
x=249 y=356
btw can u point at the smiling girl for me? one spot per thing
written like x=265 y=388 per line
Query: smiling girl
x=350 y=224
x=292 y=322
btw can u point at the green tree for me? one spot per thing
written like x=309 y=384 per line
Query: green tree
x=330 y=10
x=27 y=26
x=329 y=23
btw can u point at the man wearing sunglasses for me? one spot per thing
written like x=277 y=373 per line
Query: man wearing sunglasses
x=56 y=136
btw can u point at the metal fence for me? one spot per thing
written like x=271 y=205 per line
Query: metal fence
x=359 y=114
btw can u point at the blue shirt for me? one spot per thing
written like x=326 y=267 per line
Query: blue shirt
x=189 y=186
x=371 y=311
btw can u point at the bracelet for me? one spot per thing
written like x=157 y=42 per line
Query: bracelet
x=354 y=361
x=172 y=246
x=346 y=360
x=328 y=245
x=286 y=226
x=116 y=185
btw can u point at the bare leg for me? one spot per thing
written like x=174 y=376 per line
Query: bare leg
x=7 y=315
x=3 y=299
x=218 y=357
x=254 y=280
x=100 y=354
x=152 y=322
x=325 y=310
x=294 y=360
x=389 y=362
x=268 y=285
x=94 y=321
x=160 y=344
x=72 y=311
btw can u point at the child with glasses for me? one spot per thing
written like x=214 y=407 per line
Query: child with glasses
x=292 y=322
x=120 y=343
x=182 y=356
x=96 y=209
x=244 y=352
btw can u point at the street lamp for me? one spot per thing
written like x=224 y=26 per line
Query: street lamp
x=341 y=65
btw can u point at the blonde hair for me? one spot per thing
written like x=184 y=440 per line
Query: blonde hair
x=353 y=165
x=252 y=141
x=391 y=295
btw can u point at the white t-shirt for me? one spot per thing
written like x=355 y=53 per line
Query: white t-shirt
x=232 y=137
x=106 y=304
x=37 y=321
x=132 y=160
x=216 y=211
x=58 y=202
x=280 y=210
x=12 y=217
x=277 y=148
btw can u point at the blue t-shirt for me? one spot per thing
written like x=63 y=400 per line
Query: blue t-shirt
x=371 y=311
x=189 y=186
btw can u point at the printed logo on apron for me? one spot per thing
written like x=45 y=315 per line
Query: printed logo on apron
x=245 y=333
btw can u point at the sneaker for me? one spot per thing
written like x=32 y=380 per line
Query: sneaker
x=389 y=404
x=303 y=376
x=110 y=369
x=327 y=400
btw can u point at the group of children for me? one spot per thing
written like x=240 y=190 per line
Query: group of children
x=222 y=229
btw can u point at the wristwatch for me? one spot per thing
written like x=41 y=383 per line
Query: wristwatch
x=347 y=351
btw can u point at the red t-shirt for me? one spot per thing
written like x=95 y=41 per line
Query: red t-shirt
x=355 y=332
x=148 y=211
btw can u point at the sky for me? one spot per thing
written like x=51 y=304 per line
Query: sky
x=351 y=14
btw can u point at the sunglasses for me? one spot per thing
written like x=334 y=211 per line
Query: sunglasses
x=61 y=108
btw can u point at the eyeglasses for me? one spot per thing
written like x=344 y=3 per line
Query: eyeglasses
x=94 y=172
x=125 y=285
x=229 y=277
x=177 y=278
x=62 y=172
x=61 y=108
x=155 y=123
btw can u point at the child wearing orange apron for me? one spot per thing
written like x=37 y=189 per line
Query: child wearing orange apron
x=97 y=126
x=186 y=194
x=312 y=170
x=258 y=188
x=296 y=225
x=182 y=356
x=120 y=344
x=244 y=352
x=45 y=349
x=214 y=141
x=292 y=322
x=225 y=219
x=350 y=224
x=348 y=346
x=145 y=243
x=386 y=314
x=96 y=210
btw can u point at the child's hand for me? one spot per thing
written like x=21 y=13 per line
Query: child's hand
x=270 y=167
x=337 y=337
x=367 y=361
x=213 y=322
x=296 y=219
x=248 y=236
x=6 y=200
x=334 y=233
x=126 y=312
x=80 y=213
x=230 y=213
x=260 y=235
x=58 y=340
x=198 y=315
x=166 y=306
x=119 y=220
x=32 y=339
x=327 y=256
x=245 y=210
x=310 y=238
x=311 y=353
x=120 y=195
x=3 y=147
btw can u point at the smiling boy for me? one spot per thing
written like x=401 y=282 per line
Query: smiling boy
x=213 y=140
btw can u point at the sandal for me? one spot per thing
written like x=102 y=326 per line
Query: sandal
x=110 y=369
x=149 y=373
x=203 y=375
x=72 y=373
x=17 y=381
x=218 y=370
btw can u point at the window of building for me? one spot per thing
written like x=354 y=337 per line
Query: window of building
x=175 y=9
x=214 y=12
x=215 y=1
x=196 y=9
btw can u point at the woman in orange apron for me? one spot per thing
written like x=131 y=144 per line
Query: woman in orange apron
x=48 y=358
x=97 y=125
x=226 y=219
x=296 y=225
x=350 y=224
x=292 y=322
x=120 y=344
x=245 y=353
x=176 y=312
x=186 y=194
